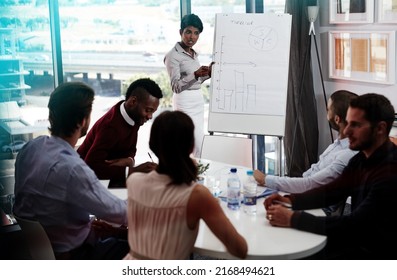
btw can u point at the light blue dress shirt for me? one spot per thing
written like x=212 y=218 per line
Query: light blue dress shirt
x=54 y=186
x=330 y=165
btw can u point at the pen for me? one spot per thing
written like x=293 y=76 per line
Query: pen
x=285 y=204
x=150 y=156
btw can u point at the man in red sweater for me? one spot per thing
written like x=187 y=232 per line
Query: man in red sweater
x=110 y=145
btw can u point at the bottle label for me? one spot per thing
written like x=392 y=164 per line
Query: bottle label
x=233 y=195
x=235 y=184
x=249 y=200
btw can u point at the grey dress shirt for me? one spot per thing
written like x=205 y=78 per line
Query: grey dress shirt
x=180 y=67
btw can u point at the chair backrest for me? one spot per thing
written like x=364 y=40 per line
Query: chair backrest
x=226 y=149
x=7 y=183
x=7 y=202
x=39 y=245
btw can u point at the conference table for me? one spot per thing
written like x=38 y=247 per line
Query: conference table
x=264 y=240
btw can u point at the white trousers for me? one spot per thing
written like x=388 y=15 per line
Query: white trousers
x=191 y=102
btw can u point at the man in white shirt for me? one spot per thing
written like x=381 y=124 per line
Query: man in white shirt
x=331 y=162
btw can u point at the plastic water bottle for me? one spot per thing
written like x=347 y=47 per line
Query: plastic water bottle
x=233 y=190
x=250 y=193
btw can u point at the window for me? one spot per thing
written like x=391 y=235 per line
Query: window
x=25 y=71
x=106 y=44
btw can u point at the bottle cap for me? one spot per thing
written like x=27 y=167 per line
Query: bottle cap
x=250 y=172
x=233 y=170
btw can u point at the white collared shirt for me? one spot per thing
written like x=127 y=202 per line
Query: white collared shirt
x=180 y=67
x=330 y=165
x=125 y=115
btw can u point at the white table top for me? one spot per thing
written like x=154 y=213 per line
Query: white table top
x=264 y=240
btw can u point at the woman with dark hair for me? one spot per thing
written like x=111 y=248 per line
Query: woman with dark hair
x=187 y=75
x=165 y=206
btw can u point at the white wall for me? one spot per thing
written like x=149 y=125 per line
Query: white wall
x=322 y=27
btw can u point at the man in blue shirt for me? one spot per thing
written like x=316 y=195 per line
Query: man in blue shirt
x=331 y=162
x=54 y=186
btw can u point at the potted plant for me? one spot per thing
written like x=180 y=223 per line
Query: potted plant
x=201 y=169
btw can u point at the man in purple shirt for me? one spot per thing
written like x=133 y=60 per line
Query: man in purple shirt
x=55 y=187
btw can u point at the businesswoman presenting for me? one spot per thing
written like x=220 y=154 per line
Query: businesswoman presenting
x=186 y=76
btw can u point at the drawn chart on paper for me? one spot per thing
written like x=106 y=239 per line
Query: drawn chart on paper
x=250 y=74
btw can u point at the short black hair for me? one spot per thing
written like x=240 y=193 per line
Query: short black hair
x=340 y=102
x=69 y=104
x=192 y=20
x=147 y=84
x=376 y=108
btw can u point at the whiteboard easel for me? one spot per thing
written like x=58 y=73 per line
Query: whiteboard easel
x=250 y=76
x=249 y=83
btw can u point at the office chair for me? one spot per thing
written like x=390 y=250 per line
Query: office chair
x=7 y=183
x=231 y=150
x=39 y=245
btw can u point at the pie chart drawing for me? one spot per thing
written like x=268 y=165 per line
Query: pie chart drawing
x=263 y=38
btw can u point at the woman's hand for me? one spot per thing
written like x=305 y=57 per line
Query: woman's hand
x=201 y=72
